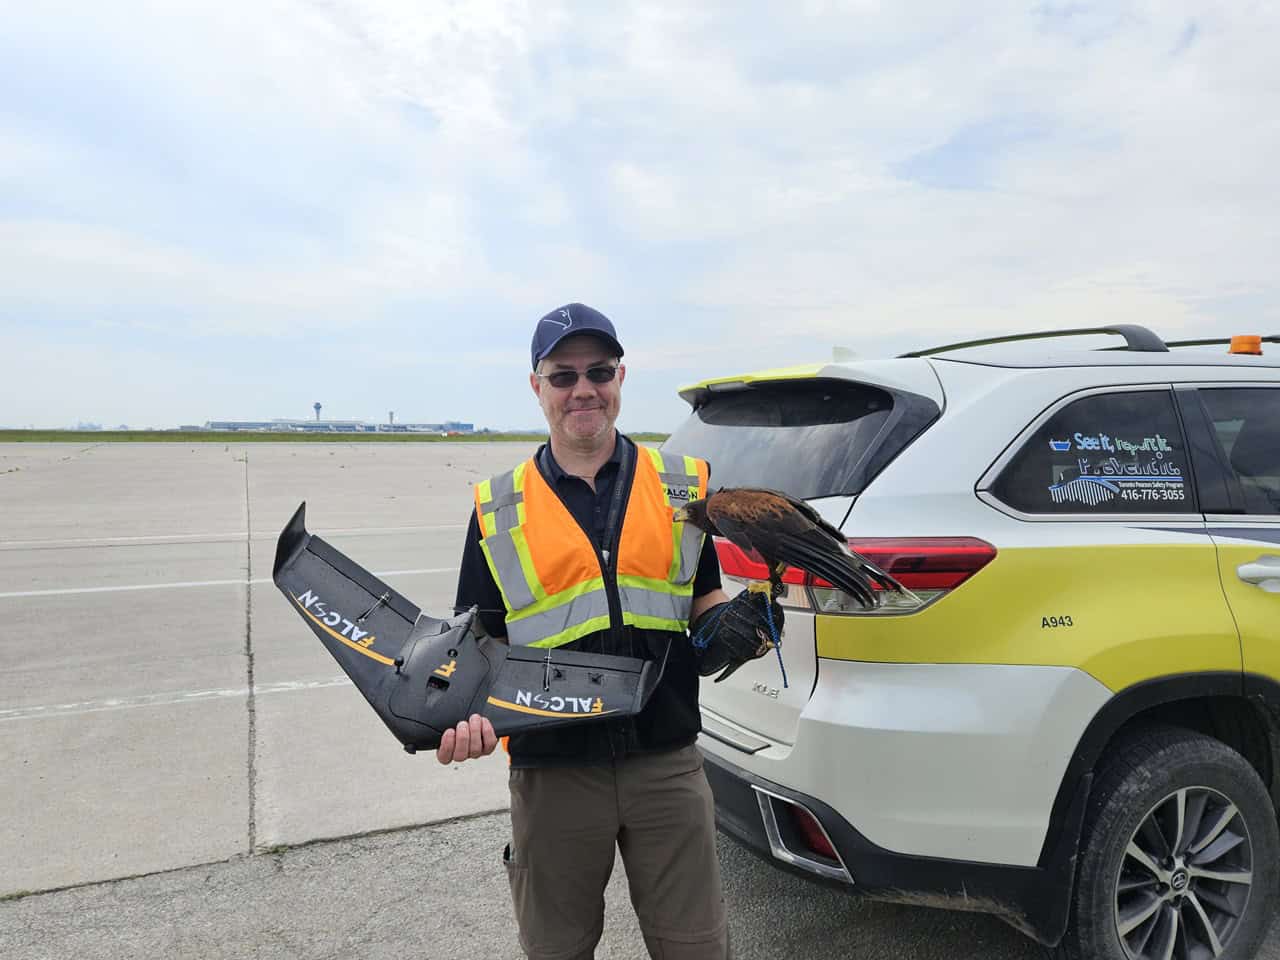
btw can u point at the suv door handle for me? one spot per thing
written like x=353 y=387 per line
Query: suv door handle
x=1263 y=572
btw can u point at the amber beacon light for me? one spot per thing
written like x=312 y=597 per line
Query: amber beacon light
x=1246 y=343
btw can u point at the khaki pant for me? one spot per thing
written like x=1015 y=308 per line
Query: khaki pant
x=566 y=824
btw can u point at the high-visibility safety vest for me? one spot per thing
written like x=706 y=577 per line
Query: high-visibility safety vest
x=552 y=577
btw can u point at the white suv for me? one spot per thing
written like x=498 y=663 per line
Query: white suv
x=1075 y=722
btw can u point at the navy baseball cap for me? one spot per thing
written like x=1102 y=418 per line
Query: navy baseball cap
x=568 y=321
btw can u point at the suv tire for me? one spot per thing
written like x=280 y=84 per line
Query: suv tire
x=1136 y=873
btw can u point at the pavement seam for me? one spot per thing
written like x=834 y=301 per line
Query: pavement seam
x=270 y=852
x=248 y=654
x=231 y=536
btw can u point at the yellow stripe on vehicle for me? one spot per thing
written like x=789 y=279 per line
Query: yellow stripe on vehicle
x=1122 y=613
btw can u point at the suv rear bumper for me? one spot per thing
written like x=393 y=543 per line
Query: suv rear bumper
x=757 y=813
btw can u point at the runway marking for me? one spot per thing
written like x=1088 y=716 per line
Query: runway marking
x=231 y=537
x=183 y=584
x=164 y=699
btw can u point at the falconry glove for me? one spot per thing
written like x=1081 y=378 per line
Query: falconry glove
x=729 y=634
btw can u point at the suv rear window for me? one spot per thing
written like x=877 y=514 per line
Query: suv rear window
x=811 y=438
x=1117 y=452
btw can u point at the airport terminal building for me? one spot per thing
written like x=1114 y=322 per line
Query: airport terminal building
x=335 y=426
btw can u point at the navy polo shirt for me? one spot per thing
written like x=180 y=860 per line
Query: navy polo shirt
x=590 y=508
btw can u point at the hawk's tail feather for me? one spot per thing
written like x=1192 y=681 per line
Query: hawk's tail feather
x=874 y=573
x=844 y=572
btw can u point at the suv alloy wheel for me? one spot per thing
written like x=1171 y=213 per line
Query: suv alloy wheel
x=1179 y=855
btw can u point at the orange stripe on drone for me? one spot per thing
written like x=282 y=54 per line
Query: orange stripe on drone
x=507 y=705
x=340 y=638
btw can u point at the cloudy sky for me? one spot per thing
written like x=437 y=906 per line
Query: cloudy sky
x=214 y=210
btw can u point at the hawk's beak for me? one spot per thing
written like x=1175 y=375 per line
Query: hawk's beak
x=680 y=516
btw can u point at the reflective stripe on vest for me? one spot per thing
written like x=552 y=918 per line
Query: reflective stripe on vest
x=547 y=569
x=498 y=505
x=679 y=489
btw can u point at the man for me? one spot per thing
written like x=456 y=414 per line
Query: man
x=577 y=547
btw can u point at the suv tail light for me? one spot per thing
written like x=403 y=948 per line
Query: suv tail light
x=742 y=567
x=927 y=567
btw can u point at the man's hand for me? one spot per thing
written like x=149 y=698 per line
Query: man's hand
x=470 y=740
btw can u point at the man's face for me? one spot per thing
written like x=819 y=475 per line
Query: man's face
x=581 y=415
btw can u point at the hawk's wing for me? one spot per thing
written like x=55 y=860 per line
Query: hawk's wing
x=783 y=529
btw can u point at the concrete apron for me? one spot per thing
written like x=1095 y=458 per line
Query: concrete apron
x=160 y=705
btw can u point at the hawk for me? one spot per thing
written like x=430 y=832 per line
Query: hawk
x=785 y=532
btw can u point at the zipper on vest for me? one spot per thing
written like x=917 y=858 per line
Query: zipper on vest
x=608 y=552
x=607 y=558
x=619 y=737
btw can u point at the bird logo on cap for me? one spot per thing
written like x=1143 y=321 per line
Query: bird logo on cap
x=568 y=318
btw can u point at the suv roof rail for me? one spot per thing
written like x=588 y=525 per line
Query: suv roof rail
x=1136 y=338
x=1215 y=341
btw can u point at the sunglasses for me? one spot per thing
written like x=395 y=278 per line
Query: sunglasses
x=562 y=379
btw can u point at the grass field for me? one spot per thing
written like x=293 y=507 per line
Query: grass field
x=237 y=436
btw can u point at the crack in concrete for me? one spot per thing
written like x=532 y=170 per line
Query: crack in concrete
x=248 y=655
